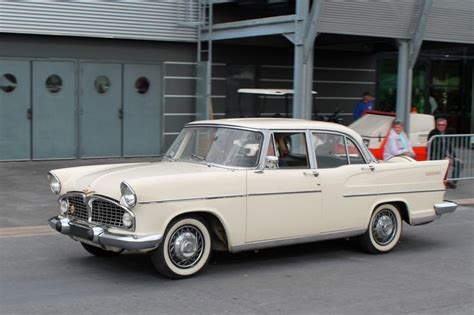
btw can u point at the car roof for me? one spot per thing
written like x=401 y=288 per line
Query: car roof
x=277 y=124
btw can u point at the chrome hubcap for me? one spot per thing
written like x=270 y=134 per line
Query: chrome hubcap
x=186 y=246
x=384 y=227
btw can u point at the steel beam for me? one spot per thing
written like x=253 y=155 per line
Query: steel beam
x=299 y=75
x=311 y=28
x=403 y=83
x=251 y=28
x=417 y=38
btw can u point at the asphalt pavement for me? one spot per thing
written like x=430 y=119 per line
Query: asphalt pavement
x=431 y=271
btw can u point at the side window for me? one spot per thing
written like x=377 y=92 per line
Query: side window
x=291 y=150
x=330 y=150
x=355 y=156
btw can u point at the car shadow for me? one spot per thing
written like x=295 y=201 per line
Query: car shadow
x=132 y=265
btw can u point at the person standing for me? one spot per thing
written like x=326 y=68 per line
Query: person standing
x=366 y=104
x=442 y=148
x=397 y=143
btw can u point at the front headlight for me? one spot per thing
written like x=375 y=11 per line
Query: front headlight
x=63 y=206
x=129 y=198
x=54 y=183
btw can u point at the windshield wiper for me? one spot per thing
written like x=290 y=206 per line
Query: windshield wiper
x=197 y=157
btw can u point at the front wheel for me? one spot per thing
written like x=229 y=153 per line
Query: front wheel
x=185 y=249
x=384 y=230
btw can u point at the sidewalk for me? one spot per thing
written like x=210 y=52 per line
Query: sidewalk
x=26 y=200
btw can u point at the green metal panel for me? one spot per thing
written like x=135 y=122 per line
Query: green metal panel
x=100 y=110
x=141 y=105
x=15 y=127
x=54 y=114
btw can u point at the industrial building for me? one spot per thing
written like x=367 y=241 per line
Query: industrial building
x=108 y=79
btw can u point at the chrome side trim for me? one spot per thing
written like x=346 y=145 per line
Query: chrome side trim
x=100 y=236
x=392 y=193
x=285 y=193
x=230 y=196
x=445 y=207
x=297 y=240
x=191 y=199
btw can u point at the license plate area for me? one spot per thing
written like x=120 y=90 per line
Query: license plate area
x=81 y=231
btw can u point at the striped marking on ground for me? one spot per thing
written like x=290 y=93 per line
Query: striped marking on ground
x=27 y=231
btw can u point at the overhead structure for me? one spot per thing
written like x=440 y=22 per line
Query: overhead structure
x=302 y=28
x=299 y=28
x=408 y=50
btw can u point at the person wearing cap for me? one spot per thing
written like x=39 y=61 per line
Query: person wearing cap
x=365 y=104
x=398 y=143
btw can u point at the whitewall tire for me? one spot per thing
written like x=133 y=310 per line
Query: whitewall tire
x=384 y=230
x=185 y=249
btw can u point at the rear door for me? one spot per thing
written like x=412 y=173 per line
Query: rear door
x=347 y=181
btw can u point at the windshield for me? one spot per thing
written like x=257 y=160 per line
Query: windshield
x=217 y=145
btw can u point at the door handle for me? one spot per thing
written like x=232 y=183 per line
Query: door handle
x=29 y=114
x=369 y=168
x=120 y=113
x=311 y=173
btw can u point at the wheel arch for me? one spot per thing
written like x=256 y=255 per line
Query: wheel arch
x=401 y=205
x=218 y=230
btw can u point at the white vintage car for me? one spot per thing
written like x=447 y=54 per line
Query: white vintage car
x=245 y=184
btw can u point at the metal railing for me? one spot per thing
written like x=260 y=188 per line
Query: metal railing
x=459 y=149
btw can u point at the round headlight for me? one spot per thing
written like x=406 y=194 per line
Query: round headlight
x=129 y=198
x=63 y=206
x=127 y=220
x=54 y=183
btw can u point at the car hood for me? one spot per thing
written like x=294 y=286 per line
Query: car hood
x=106 y=179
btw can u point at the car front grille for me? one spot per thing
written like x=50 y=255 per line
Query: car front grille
x=103 y=211
x=107 y=213
x=80 y=209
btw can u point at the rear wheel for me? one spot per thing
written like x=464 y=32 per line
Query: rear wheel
x=384 y=231
x=185 y=249
x=97 y=251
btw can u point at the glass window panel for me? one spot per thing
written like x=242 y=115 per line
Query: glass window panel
x=102 y=84
x=142 y=85
x=355 y=156
x=330 y=150
x=8 y=83
x=291 y=150
x=54 y=83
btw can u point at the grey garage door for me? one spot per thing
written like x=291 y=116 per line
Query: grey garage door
x=141 y=109
x=100 y=110
x=15 y=126
x=54 y=119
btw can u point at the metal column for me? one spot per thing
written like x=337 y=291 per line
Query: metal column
x=403 y=82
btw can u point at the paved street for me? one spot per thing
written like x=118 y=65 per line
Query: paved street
x=430 y=272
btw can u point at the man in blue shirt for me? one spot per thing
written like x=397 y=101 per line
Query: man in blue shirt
x=367 y=103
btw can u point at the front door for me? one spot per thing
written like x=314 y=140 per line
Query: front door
x=54 y=110
x=284 y=202
x=100 y=110
x=15 y=110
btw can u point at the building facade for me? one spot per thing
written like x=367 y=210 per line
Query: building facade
x=110 y=79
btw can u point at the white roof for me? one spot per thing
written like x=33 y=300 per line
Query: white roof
x=278 y=124
x=269 y=91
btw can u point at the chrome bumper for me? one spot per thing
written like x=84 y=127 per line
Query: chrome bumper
x=100 y=236
x=445 y=207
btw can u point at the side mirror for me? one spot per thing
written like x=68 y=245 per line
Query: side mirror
x=271 y=162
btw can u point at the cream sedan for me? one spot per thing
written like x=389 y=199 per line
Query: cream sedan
x=245 y=184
